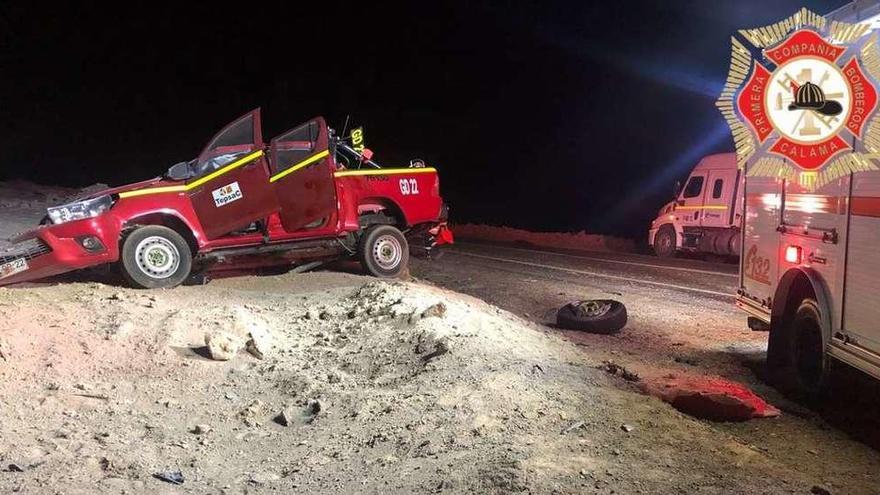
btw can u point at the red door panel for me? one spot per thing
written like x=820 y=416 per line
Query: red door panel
x=231 y=188
x=302 y=175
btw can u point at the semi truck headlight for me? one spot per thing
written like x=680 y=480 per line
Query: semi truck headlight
x=80 y=209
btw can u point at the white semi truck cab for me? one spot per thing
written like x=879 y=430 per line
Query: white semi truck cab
x=706 y=214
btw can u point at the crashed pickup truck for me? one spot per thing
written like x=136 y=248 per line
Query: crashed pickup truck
x=308 y=196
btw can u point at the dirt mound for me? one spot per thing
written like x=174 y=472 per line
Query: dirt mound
x=363 y=387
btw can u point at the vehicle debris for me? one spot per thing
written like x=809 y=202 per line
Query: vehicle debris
x=173 y=477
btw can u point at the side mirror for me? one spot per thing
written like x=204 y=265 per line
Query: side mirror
x=676 y=189
x=179 y=171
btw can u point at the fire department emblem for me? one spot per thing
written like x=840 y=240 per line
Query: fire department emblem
x=801 y=100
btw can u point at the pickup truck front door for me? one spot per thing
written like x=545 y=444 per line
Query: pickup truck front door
x=302 y=176
x=231 y=187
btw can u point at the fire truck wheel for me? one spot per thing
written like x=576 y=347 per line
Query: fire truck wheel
x=602 y=316
x=810 y=365
x=664 y=242
x=383 y=251
x=155 y=257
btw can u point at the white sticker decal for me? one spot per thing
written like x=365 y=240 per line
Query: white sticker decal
x=227 y=194
x=409 y=186
x=13 y=267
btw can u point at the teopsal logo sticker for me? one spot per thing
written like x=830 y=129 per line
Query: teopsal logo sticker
x=227 y=194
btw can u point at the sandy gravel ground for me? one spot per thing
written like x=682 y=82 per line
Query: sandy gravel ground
x=103 y=387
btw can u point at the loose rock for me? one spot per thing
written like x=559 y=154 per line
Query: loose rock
x=222 y=346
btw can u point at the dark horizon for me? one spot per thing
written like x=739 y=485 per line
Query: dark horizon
x=547 y=117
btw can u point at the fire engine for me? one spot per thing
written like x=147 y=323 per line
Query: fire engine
x=307 y=196
x=706 y=214
x=810 y=263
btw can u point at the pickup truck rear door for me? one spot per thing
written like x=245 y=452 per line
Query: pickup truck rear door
x=302 y=175
x=231 y=187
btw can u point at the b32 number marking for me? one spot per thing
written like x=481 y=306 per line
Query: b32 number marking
x=756 y=266
x=409 y=186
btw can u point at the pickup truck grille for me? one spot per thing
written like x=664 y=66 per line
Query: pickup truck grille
x=29 y=249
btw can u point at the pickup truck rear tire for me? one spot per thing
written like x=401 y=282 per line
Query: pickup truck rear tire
x=383 y=251
x=155 y=257
x=664 y=242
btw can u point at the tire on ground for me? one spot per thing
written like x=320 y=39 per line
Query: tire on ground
x=155 y=257
x=664 y=242
x=383 y=251
x=607 y=316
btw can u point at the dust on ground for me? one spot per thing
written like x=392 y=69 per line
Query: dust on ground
x=384 y=387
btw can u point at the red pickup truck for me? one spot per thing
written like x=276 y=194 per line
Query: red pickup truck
x=307 y=196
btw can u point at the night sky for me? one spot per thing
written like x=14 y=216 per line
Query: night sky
x=543 y=115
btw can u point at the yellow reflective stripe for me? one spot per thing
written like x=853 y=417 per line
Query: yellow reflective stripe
x=237 y=163
x=213 y=175
x=308 y=161
x=707 y=207
x=384 y=171
x=155 y=190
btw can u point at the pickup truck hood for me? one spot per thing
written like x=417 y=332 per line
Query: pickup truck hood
x=155 y=182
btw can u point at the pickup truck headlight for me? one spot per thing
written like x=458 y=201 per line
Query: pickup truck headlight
x=81 y=209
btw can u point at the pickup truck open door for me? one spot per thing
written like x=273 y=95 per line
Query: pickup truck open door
x=302 y=175
x=231 y=187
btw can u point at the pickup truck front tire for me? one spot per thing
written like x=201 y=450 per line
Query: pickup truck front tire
x=383 y=251
x=155 y=257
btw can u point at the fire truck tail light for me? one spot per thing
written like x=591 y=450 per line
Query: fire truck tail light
x=793 y=254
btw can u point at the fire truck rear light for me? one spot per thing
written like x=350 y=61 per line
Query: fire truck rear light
x=793 y=254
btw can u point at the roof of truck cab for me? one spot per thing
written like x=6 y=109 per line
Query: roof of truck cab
x=718 y=161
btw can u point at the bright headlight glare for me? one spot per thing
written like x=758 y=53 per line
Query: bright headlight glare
x=81 y=209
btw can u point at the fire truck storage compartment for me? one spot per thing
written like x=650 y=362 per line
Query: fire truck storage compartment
x=861 y=305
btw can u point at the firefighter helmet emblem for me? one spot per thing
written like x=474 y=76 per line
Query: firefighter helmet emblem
x=810 y=97
x=805 y=105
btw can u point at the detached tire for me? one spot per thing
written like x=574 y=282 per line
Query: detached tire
x=664 y=242
x=602 y=316
x=383 y=251
x=155 y=257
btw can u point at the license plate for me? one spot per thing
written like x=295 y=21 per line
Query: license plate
x=13 y=267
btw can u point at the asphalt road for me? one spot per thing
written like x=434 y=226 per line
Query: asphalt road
x=505 y=274
x=682 y=321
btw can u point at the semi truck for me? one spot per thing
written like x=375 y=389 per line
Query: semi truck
x=706 y=214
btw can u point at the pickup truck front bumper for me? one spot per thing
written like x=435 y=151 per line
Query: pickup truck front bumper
x=55 y=249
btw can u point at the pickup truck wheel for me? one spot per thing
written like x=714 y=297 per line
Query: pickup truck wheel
x=664 y=242
x=155 y=257
x=383 y=251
